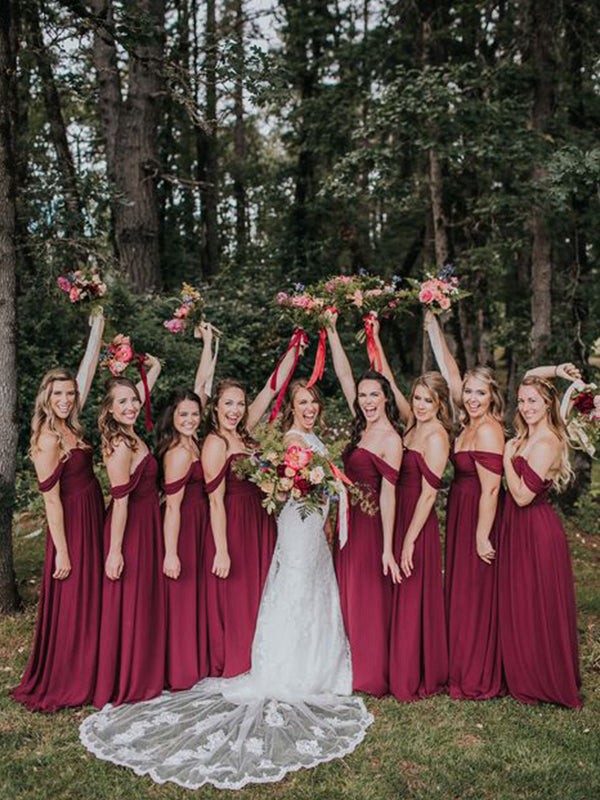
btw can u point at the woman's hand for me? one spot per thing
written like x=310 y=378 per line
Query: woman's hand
x=151 y=361
x=62 y=565
x=221 y=564
x=568 y=371
x=390 y=566
x=406 y=558
x=331 y=315
x=485 y=551
x=96 y=314
x=114 y=565
x=172 y=566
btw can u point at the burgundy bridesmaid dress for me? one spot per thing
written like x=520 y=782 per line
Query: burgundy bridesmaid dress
x=418 y=643
x=131 y=662
x=187 y=638
x=471 y=585
x=62 y=666
x=233 y=602
x=365 y=593
x=538 y=629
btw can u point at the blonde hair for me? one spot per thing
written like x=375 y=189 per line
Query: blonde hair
x=438 y=387
x=287 y=416
x=44 y=419
x=487 y=376
x=114 y=432
x=556 y=424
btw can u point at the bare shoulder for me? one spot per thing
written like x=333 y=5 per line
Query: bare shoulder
x=214 y=448
x=490 y=437
x=47 y=444
x=177 y=461
x=121 y=454
x=437 y=439
x=391 y=446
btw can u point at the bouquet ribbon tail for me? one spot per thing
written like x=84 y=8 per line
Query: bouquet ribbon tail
x=147 y=406
x=319 y=366
x=298 y=339
x=372 y=349
x=344 y=512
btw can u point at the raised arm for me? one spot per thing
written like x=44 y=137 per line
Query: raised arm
x=89 y=362
x=45 y=462
x=153 y=366
x=341 y=365
x=401 y=401
x=214 y=456
x=206 y=367
x=445 y=360
x=118 y=466
x=567 y=371
x=264 y=398
x=176 y=465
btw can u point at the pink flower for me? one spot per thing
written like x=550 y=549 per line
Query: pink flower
x=297 y=457
x=182 y=312
x=124 y=353
x=282 y=297
x=117 y=367
x=74 y=294
x=303 y=301
x=373 y=292
x=174 y=325
x=357 y=298
x=64 y=284
x=444 y=303
x=426 y=296
x=597 y=401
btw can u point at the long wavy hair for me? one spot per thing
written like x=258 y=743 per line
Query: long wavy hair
x=212 y=423
x=391 y=409
x=44 y=419
x=438 y=387
x=287 y=414
x=166 y=434
x=113 y=432
x=487 y=376
x=556 y=424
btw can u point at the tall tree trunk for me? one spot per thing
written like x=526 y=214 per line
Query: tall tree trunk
x=130 y=130
x=74 y=222
x=208 y=164
x=239 y=134
x=9 y=598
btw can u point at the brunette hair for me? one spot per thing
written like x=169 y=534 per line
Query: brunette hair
x=166 y=434
x=487 y=376
x=287 y=414
x=44 y=419
x=391 y=409
x=212 y=424
x=113 y=432
x=555 y=423
x=437 y=385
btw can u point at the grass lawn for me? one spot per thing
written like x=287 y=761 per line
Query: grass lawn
x=497 y=750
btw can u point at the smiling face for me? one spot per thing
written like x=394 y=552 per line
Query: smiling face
x=231 y=408
x=371 y=400
x=532 y=406
x=125 y=406
x=476 y=398
x=186 y=417
x=423 y=403
x=305 y=409
x=63 y=396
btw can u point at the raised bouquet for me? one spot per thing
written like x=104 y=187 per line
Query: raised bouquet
x=583 y=420
x=366 y=294
x=438 y=292
x=190 y=311
x=82 y=285
x=303 y=307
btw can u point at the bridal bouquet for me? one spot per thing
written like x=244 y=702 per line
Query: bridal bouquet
x=190 y=311
x=82 y=285
x=583 y=422
x=368 y=295
x=298 y=473
x=117 y=355
x=438 y=292
x=303 y=307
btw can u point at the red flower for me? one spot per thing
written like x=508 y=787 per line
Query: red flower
x=584 y=402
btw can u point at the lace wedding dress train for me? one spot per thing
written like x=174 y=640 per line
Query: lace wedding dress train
x=294 y=708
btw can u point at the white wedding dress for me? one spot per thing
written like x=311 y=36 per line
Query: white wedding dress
x=293 y=709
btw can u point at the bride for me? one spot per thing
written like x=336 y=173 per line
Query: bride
x=293 y=709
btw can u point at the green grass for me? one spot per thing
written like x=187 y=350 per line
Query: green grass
x=438 y=748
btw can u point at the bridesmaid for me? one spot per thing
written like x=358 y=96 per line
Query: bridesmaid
x=185 y=526
x=538 y=629
x=238 y=553
x=62 y=666
x=131 y=661
x=472 y=522
x=365 y=565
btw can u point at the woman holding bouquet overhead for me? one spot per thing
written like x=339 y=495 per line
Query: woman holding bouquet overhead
x=62 y=665
x=238 y=553
x=365 y=565
x=185 y=526
x=131 y=661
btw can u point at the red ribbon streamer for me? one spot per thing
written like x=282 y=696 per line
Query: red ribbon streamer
x=298 y=339
x=372 y=349
x=147 y=406
x=338 y=474
x=319 y=366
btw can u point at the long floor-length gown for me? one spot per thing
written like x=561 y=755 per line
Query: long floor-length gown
x=187 y=634
x=131 y=661
x=292 y=710
x=232 y=602
x=366 y=594
x=471 y=585
x=538 y=627
x=62 y=666
x=418 y=642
